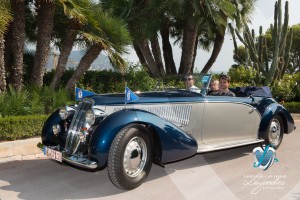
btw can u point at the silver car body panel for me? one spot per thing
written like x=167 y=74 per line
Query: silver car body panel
x=224 y=125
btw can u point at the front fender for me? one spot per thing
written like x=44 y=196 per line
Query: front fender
x=175 y=143
x=47 y=131
x=269 y=113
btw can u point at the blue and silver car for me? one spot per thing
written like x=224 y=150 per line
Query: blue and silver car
x=160 y=127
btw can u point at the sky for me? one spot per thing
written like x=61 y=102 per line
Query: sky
x=262 y=16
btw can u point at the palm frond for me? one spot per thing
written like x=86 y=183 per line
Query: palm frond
x=5 y=15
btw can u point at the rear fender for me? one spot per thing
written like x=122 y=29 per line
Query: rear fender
x=270 y=112
x=175 y=143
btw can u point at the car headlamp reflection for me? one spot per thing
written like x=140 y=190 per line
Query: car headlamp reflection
x=90 y=117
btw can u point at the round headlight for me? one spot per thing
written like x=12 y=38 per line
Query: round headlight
x=90 y=117
x=56 y=129
x=63 y=113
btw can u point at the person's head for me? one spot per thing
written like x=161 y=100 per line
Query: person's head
x=224 y=82
x=188 y=81
x=214 y=85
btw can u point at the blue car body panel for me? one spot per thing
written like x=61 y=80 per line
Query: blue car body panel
x=174 y=142
x=272 y=110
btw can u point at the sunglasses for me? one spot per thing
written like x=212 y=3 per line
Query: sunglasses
x=188 y=79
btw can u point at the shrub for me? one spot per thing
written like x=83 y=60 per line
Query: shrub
x=32 y=100
x=292 y=107
x=14 y=103
x=243 y=75
x=21 y=127
x=136 y=77
x=283 y=90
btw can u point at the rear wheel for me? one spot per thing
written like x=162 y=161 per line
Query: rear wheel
x=129 y=159
x=275 y=132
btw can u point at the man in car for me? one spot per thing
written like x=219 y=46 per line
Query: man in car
x=224 y=83
x=189 y=83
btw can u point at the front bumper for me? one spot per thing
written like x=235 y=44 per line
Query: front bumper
x=80 y=161
x=76 y=160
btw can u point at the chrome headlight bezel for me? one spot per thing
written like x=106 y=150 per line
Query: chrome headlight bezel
x=56 y=129
x=63 y=112
x=90 y=117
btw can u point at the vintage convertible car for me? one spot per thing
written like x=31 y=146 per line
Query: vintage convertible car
x=160 y=127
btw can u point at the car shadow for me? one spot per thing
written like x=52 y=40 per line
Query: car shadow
x=209 y=158
x=47 y=179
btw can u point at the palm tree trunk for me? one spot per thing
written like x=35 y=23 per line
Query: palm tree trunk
x=195 y=54
x=18 y=28
x=139 y=54
x=218 y=43
x=143 y=45
x=8 y=56
x=45 y=16
x=141 y=57
x=188 y=41
x=2 y=68
x=167 y=51
x=85 y=62
x=64 y=55
x=157 y=55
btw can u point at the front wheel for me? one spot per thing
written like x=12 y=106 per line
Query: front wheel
x=275 y=132
x=129 y=159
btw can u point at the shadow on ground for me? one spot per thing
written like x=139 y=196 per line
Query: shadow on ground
x=47 y=179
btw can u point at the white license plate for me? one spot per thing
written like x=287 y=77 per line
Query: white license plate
x=56 y=155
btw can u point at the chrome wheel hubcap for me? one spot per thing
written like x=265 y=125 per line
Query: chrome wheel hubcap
x=135 y=157
x=274 y=132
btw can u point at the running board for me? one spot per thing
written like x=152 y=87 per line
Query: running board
x=216 y=147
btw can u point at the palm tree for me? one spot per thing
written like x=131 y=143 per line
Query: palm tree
x=218 y=23
x=45 y=14
x=77 y=13
x=190 y=32
x=109 y=35
x=18 y=39
x=143 y=21
x=167 y=47
x=5 y=18
x=208 y=19
x=157 y=55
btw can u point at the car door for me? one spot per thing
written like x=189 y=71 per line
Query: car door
x=228 y=119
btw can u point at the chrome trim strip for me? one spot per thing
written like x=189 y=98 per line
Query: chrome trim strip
x=215 y=148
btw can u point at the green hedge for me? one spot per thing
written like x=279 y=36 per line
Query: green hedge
x=21 y=127
x=292 y=107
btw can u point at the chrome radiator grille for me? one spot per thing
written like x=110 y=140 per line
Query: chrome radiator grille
x=75 y=129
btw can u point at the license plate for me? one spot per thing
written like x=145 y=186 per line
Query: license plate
x=56 y=155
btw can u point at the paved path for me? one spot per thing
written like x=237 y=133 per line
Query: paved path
x=225 y=174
